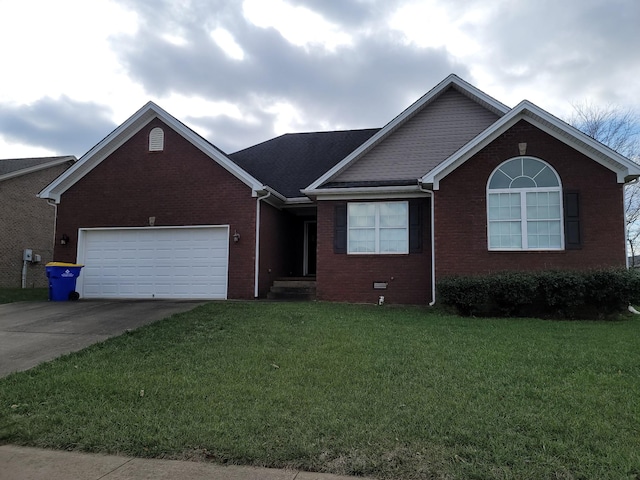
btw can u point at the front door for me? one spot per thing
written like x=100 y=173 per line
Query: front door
x=310 y=243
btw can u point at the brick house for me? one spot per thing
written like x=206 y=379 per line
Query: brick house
x=27 y=222
x=458 y=183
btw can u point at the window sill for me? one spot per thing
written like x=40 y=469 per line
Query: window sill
x=404 y=254
x=528 y=251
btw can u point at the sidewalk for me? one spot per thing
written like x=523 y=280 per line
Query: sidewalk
x=22 y=463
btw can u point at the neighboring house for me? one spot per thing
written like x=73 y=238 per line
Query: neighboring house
x=27 y=221
x=458 y=183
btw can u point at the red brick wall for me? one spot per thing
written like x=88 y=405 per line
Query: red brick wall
x=349 y=278
x=461 y=215
x=178 y=186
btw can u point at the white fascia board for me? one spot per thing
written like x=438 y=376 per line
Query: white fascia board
x=271 y=196
x=357 y=193
x=585 y=144
x=37 y=168
x=212 y=152
x=622 y=166
x=451 y=80
x=123 y=133
x=99 y=152
x=266 y=189
x=478 y=95
x=299 y=201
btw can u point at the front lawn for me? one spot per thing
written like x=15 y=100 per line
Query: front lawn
x=388 y=392
x=8 y=295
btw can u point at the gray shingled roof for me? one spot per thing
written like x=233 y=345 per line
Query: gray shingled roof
x=11 y=165
x=293 y=161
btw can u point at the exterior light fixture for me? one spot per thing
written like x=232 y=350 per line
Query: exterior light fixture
x=236 y=236
x=64 y=239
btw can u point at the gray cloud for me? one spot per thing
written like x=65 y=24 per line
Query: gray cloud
x=349 y=13
x=230 y=134
x=572 y=47
x=362 y=85
x=63 y=125
x=557 y=50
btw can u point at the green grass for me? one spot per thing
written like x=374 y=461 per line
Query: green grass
x=378 y=391
x=9 y=295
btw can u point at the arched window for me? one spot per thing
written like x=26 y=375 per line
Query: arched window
x=524 y=206
x=156 y=140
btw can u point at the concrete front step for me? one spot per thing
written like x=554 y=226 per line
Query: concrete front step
x=292 y=289
x=302 y=289
x=302 y=297
x=295 y=283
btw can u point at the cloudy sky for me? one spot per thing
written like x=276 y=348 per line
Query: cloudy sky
x=242 y=71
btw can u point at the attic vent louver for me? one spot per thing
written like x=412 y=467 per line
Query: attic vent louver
x=156 y=140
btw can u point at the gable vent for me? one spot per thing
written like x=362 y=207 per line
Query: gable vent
x=156 y=140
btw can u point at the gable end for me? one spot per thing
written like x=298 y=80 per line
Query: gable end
x=453 y=81
x=123 y=133
x=624 y=168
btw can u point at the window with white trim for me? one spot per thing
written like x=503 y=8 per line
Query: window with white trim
x=378 y=227
x=524 y=206
x=156 y=140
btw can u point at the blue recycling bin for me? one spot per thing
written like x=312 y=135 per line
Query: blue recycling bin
x=62 y=280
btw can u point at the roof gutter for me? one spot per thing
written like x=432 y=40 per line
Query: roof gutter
x=298 y=201
x=349 y=192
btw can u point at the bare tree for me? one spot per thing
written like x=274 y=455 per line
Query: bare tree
x=619 y=129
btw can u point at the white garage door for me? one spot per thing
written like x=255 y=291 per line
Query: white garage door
x=160 y=262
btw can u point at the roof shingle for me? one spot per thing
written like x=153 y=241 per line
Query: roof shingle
x=11 y=165
x=293 y=161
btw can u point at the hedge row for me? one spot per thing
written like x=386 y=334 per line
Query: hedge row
x=559 y=294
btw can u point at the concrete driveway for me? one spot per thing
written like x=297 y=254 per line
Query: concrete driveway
x=34 y=332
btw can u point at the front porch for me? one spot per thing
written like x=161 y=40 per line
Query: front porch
x=288 y=252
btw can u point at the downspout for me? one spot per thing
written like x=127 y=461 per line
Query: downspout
x=53 y=204
x=257 y=266
x=55 y=219
x=626 y=238
x=627 y=242
x=626 y=227
x=24 y=262
x=433 y=243
x=24 y=274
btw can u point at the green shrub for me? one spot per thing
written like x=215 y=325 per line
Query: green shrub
x=510 y=292
x=612 y=290
x=554 y=293
x=467 y=294
x=561 y=290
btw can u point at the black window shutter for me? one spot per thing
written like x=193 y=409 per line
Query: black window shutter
x=340 y=229
x=572 y=235
x=415 y=226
